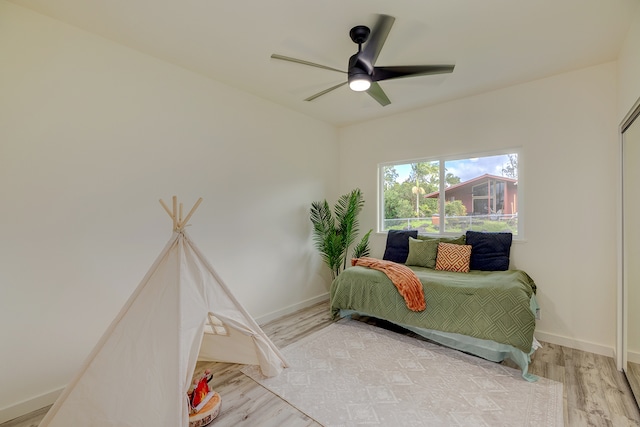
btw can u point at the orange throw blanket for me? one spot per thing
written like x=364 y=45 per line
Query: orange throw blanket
x=402 y=277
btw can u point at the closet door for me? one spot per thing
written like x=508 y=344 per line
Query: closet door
x=631 y=251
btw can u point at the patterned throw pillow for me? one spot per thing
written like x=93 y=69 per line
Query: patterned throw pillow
x=453 y=257
x=422 y=253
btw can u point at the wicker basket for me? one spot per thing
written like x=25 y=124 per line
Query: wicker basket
x=207 y=413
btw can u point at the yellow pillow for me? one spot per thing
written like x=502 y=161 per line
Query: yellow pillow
x=453 y=257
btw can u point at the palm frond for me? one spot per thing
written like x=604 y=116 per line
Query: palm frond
x=346 y=213
x=362 y=248
x=323 y=223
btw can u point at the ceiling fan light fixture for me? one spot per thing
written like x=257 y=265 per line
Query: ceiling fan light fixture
x=359 y=82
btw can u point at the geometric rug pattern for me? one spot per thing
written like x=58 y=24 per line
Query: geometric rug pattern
x=355 y=374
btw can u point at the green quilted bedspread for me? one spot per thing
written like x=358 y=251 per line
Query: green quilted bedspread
x=487 y=305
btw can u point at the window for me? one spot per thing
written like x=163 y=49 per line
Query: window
x=451 y=195
x=214 y=326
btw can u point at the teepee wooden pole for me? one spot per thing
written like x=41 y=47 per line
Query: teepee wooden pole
x=193 y=209
x=176 y=213
x=166 y=208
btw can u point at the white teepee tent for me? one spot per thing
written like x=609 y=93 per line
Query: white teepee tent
x=141 y=369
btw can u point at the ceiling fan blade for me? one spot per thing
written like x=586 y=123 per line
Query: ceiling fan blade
x=378 y=94
x=319 y=94
x=303 y=62
x=396 y=72
x=378 y=36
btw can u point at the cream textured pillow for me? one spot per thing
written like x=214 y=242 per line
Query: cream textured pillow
x=453 y=257
x=422 y=253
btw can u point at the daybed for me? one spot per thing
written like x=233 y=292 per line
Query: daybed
x=490 y=314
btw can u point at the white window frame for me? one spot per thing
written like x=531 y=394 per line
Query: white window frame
x=441 y=200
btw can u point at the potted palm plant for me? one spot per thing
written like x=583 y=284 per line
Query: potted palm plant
x=334 y=233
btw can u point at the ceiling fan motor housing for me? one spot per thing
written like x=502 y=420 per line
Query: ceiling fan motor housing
x=359 y=34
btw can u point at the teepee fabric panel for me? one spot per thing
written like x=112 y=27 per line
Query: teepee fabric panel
x=139 y=372
x=123 y=383
x=223 y=304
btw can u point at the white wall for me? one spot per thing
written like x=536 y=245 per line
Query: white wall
x=92 y=134
x=566 y=126
x=629 y=69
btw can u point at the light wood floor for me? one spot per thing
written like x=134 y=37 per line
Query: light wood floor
x=633 y=375
x=595 y=393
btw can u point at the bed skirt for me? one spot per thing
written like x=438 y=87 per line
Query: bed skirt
x=490 y=350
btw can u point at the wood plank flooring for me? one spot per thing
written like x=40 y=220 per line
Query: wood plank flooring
x=595 y=393
x=633 y=375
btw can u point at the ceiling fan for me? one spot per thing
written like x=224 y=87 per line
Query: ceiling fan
x=362 y=74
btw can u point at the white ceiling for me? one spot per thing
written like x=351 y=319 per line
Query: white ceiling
x=493 y=43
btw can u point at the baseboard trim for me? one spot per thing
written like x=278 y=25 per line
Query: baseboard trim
x=575 y=344
x=30 y=405
x=261 y=320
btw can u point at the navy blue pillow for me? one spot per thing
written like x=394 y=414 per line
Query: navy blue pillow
x=397 y=248
x=489 y=251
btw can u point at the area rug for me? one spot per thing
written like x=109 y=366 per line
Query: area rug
x=354 y=374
